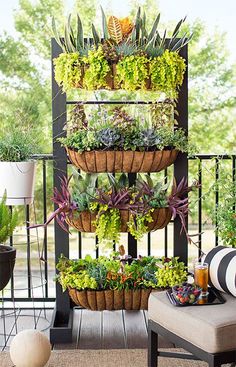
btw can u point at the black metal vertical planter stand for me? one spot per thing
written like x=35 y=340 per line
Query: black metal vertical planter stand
x=61 y=329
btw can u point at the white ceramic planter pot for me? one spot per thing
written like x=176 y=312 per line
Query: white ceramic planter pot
x=17 y=178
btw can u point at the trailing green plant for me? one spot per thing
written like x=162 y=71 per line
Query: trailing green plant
x=137 y=224
x=8 y=220
x=97 y=71
x=167 y=73
x=107 y=224
x=132 y=72
x=68 y=70
x=17 y=145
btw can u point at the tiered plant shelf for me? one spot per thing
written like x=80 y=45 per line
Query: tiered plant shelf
x=110 y=160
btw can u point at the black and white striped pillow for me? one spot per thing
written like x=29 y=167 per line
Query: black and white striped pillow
x=222 y=269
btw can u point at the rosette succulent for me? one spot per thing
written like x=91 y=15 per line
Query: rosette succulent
x=108 y=137
x=149 y=138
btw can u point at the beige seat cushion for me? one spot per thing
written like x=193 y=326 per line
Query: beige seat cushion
x=211 y=328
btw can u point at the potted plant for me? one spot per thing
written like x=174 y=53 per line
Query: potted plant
x=8 y=221
x=113 y=284
x=114 y=141
x=127 y=55
x=108 y=208
x=17 y=169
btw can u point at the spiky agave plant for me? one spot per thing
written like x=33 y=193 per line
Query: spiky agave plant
x=71 y=42
x=152 y=42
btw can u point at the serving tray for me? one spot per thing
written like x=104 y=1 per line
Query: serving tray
x=214 y=297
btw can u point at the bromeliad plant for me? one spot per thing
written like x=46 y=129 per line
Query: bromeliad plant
x=108 y=201
x=106 y=273
x=126 y=55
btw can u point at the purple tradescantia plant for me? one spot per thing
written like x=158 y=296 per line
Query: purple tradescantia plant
x=66 y=206
x=178 y=203
x=118 y=199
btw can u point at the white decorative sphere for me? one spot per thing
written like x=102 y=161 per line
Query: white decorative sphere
x=30 y=348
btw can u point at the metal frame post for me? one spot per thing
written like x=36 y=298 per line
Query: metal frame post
x=61 y=330
x=181 y=163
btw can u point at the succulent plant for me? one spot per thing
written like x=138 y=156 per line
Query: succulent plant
x=149 y=138
x=126 y=48
x=108 y=137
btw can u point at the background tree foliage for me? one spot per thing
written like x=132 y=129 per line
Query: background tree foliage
x=25 y=69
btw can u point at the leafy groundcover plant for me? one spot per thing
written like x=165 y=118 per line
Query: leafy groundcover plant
x=107 y=200
x=106 y=273
x=136 y=58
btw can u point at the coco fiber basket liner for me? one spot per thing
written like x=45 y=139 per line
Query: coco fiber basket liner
x=111 y=299
x=84 y=221
x=122 y=161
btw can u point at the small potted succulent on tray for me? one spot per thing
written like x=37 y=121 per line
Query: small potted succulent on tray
x=17 y=169
x=113 y=207
x=126 y=56
x=8 y=222
x=102 y=284
x=114 y=141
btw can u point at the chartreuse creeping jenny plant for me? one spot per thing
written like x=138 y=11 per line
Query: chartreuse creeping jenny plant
x=124 y=55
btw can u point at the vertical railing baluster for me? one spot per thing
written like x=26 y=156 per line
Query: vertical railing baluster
x=45 y=244
x=12 y=278
x=234 y=178
x=216 y=199
x=200 y=207
x=27 y=217
x=166 y=228
x=79 y=245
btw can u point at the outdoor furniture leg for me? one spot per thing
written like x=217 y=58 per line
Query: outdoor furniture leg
x=152 y=348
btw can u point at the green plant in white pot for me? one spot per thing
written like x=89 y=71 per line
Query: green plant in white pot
x=17 y=169
x=8 y=221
